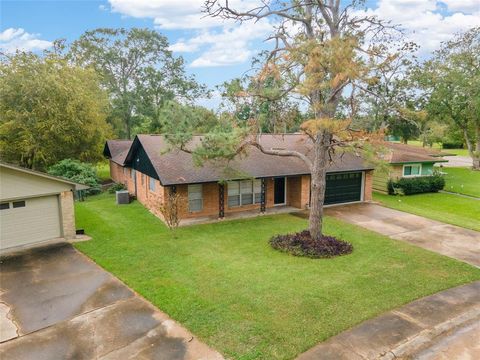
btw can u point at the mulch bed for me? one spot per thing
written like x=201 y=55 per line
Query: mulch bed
x=302 y=244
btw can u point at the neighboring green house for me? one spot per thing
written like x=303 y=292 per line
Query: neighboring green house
x=405 y=161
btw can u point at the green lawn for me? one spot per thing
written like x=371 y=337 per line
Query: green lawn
x=103 y=171
x=462 y=181
x=448 y=208
x=232 y=290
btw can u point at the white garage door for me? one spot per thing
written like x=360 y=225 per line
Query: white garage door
x=29 y=221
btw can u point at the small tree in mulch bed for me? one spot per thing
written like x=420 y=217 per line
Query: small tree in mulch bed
x=171 y=209
x=302 y=244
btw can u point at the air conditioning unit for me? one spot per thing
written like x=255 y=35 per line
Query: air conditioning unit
x=123 y=197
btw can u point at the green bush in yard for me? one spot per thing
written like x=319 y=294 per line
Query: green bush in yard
x=417 y=185
x=452 y=145
x=79 y=172
x=116 y=187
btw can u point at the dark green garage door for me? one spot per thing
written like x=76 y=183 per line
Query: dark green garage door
x=343 y=188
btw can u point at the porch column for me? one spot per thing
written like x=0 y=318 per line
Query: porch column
x=263 y=197
x=221 y=201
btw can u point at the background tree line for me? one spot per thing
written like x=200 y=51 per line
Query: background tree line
x=110 y=83
x=116 y=83
x=435 y=100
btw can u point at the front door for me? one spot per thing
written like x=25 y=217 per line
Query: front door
x=279 y=191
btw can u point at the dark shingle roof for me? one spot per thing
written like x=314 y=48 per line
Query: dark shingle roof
x=118 y=150
x=174 y=166
x=402 y=153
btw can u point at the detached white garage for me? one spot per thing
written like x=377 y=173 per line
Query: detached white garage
x=34 y=207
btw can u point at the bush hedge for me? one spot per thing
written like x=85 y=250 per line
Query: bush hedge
x=116 y=187
x=79 y=172
x=417 y=185
x=452 y=145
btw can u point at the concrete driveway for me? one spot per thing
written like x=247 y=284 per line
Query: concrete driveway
x=458 y=161
x=450 y=240
x=57 y=304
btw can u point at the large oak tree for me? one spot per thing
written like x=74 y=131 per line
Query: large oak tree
x=138 y=70
x=50 y=110
x=322 y=52
x=451 y=80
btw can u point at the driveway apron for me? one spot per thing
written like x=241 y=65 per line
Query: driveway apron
x=58 y=304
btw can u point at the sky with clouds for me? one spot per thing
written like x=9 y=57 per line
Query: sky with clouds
x=214 y=50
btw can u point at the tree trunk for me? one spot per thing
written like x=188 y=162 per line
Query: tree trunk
x=473 y=147
x=127 y=125
x=476 y=153
x=476 y=163
x=318 y=183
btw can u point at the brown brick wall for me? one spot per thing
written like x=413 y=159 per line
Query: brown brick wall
x=380 y=178
x=298 y=191
x=368 y=183
x=210 y=201
x=128 y=181
x=116 y=173
x=68 y=214
x=150 y=199
x=294 y=191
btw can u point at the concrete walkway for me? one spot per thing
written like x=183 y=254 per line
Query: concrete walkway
x=443 y=323
x=450 y=240
x=240 y=215
x=55 y=303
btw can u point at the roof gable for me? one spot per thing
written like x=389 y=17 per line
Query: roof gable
x=138 y=159
x=117 y=150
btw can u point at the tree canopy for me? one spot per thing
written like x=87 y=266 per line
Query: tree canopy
x=320 y=49
x=50 y=110
x=138 y=71
x=451 y=84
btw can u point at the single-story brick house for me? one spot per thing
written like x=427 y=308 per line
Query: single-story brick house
x=149 y=167
x=405 y=161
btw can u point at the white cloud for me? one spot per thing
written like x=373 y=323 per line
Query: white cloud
x=219 y=42
x=13 y=39
x=462 y=5
x=424 y=21
x=173 y=14
x=231 y=45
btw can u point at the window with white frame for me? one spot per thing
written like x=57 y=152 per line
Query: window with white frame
x=257 y=190
x=125 y=171
x=244 y=192
x=132 y=174
x=412 y=170
x=151 y=184
x=195 y=198
x=233 y=193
